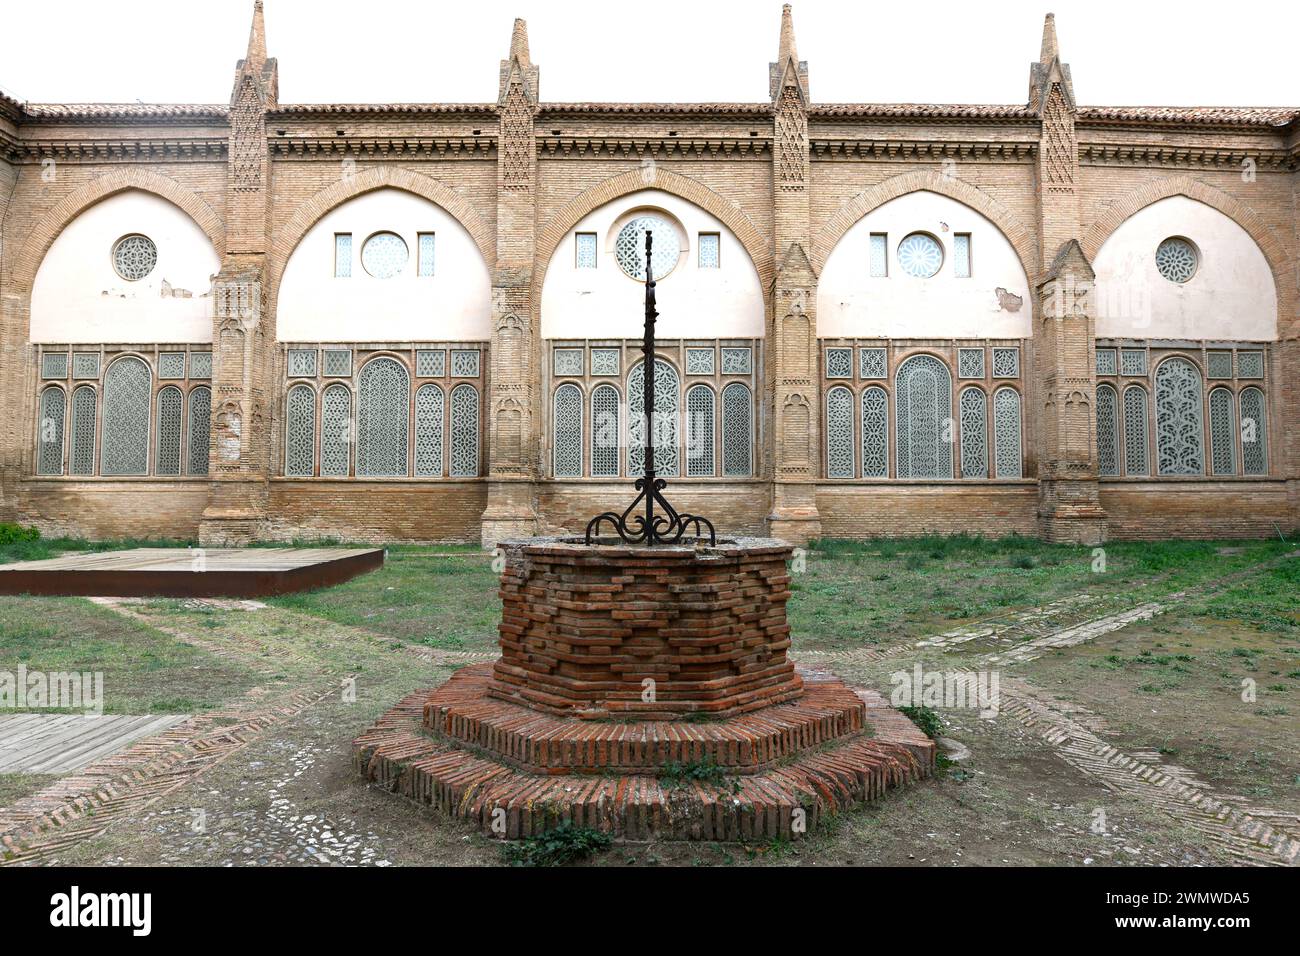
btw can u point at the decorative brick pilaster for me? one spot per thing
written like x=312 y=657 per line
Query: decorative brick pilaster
x=792 y=353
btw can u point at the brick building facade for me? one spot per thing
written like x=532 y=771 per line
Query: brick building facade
x=261 y=320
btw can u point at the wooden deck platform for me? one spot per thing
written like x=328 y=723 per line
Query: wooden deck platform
x=62 y=743
x=181 y=572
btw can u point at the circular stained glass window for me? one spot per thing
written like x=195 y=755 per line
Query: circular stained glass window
x=1177 y=259
x=920 y=255
x=384 y=255
x=134 y=257
x=629 y=247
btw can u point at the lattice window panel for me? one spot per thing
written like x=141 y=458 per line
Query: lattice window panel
x=604 y=431
x=839 y=433
x=81 y=452
x=167 y=456
x=737 y=361
x=300 y=432
x=342 y=255
x=972 y=411
x=1176 y=259
x=200 y=365
x=200 y=430
x=879 y=255
x=384 y=255
x=54 y=365
x=920 y=255
x=171 y=365
x=923 y=410
x=604 y=361
x=302 y=363
x=1107 y=363
x=1254 y=433
x=1218 y=365
x=85 y=365
x=567 y=361
x=710 y=251
x=383 y=419
x=1179 y=426
x=699 y=361
x=961 y=255
x=839 y=363
x=429 y=415
x=337 y=363
x=1006 y=363
x=1250 y=364
x=431 y=363
x=336 y=432
x=465 y=363
x=1133 y=362
x=667 y=404
x=1135 y=431
x=425 y=255
x=585 y=250
x=629 y=247
x=464 y=432
x=1223 y=427
x=566 y=454
x=873 y=363
x=134 y=257
x=49 y=458
x=125 y=430
x=875 y=433
x=1107 y=431
x=737 y=431
x=1007 y=453
x=700 y=411
x=970 y=363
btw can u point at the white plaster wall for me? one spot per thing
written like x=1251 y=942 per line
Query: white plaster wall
x=851 y=303
x=79 y=297
x=604 y=302
x=454 y=304
x=1231 y=296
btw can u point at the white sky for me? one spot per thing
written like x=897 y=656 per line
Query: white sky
x=1123 y=52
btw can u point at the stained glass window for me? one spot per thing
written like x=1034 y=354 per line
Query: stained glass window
x=839 y=433
x=566 y=458
x=585 y=250
x=200 y=430
x=920 y=255
x=1006 y=433
x=383 y=418
x=667 y=403
x=425 y=254
x=49 y=458
x=879 y=254
x=1223 y=427
x=699 y=431
x=875 y=433
x=134 y=257
x=464 y=432
x=629 y=247
x=974 y=434
x=384 y=255
x=873 y=363
x=923 y=410
x=604 y=431
x=1107 y=431
x=1178 y=418
x=127 y=400
x=1135 y=431
x=709 y=251
x=429 y=414
x=737 y=431
x=343 y=255
x=336 y=432
x=300 y=432
x=81 y=456
x=1254 y=432
x=1176 y=259
x=171 y=403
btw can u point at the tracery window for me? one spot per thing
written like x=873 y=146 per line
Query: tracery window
x=1006 y=434
x=127 y=401
x=200 y=429
x=923 y=410
x=567 y=421
x=699 y=431
x=429 y=413
x=974 y=433
x=336 y=431
x=737 y=431
x=384 y=255
x=667 y=400
x=81 y=453
x=1223 y=427
x=1179 y=427
x=134 y=257
x=383 y=418
x=1107 y=430
x=629 y=247
x=1177 y=259
x=300 y=432
x=49 y=458
x=168 y=444
x=1135 y=431
x=839 y=433
x=604 y=431
x=1254 y=432
x=920 y=255
x=875 y=433
x=464 y=431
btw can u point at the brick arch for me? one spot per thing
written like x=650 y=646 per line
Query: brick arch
x=312 y=210
x=1021 y=237
x=1119 y=212
x=637 y=180
x=49 y=226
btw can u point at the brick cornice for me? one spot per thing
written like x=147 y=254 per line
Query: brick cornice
x=656 y=147
x=383 y=147
x=181 y=149
x=1111 y=154
x=893 y=150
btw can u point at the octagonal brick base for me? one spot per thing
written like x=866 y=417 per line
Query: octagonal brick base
x=464 y=752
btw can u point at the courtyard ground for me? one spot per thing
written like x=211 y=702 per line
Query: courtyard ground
x=1146 y=716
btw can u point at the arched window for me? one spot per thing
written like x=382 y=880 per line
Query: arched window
x=171 y=412
x=200 y=429
x=81 y=455
x=699 y=431
x=383 y=418
x=1006 y=434
x=1135 y=431
x=1179 y=423
x=1107 y=431
x=300 y=432
x=124 y=441
x=49 y=457
x=1223 y=427
x=604 y=431
x=464 y=431
x=566 y=419
x=1254 y=432
x=973 y=413
x=667 y=403
x=923 y=407
x=429 y=415
x=875 y=433
x=336 y=431
x=839 y=433
x=737 y=431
